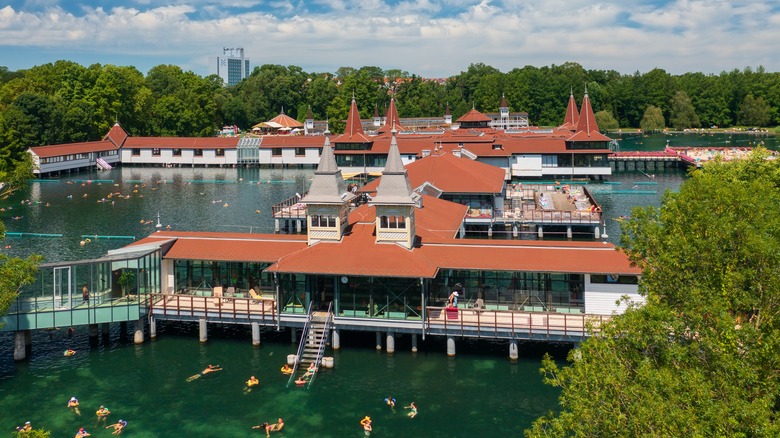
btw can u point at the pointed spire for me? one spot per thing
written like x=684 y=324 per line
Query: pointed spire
x=587 y=120
x=392 y=121
x=572 y=116
x=354 y=127
x=327 y=186
x=309 y=115
x=447 y=111
x=503 y=104
x=394 y=187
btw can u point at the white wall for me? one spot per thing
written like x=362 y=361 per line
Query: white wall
x=600 y=298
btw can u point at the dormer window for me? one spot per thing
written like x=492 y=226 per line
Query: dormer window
x=392 y=222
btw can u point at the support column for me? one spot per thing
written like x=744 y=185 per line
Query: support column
x=513 y=354
x=539 y=231
x=293 y=335
x=298 y=226
x=378 y=341
x=20 y=349
x=390 y=342
x=490 y=231
x=335 y=339
x=203 y=330
x=152 y=328
x=414 y=342
x=255 y=334
x=450 y=346
x=93 y=331
x=597 y=233
x=138 y=331
x=514 y=230
x=277 y=226
x=105 y=328
x=568 y=232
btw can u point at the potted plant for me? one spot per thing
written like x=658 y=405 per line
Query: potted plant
x=125 y=280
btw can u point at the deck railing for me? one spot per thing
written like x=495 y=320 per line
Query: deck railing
x=181 y=305
x=509 y=323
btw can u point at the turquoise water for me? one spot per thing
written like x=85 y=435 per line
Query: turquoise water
x=478 y=393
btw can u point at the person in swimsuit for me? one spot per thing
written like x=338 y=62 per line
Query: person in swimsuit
x=118 y=427
x=102 y=413
x=367 y=427
x=82 y=433
x=73 y=404
x=413 y=412
x=209 y=369
x=26 y=428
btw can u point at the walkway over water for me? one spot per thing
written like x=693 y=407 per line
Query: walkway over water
x=558 y=326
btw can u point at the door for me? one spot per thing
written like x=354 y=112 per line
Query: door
x=62 y=287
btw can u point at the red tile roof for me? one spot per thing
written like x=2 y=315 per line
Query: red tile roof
x=72 y=148
x=473 y=116
x=286 y=121
x=254 y=248
x=452 y=175
x=116 y=135
x=353 y=132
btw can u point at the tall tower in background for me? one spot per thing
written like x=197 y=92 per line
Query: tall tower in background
x=232 y=66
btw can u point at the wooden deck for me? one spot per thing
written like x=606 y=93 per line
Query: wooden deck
x=510 y=324
x=183 y=306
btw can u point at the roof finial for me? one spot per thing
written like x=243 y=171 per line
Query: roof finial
x=586 y=89
x=571 y=90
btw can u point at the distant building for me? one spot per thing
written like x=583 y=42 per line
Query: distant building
x=232 y=66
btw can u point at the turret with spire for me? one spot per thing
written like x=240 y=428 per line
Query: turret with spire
x=327 y=202
x=395 y=201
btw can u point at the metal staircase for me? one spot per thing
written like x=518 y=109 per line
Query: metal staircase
x=102 y=164
x=312 y=346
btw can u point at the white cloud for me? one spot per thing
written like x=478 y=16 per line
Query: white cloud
x=426 y=37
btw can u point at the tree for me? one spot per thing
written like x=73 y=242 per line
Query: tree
x=606 y=121
x=700 y=357
x=753 y=111
x=653 y=120
x=683 y=114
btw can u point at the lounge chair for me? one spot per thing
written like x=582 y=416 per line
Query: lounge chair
x=218 y=296
x=255 y=296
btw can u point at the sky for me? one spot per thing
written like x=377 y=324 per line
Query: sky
x=429 y=38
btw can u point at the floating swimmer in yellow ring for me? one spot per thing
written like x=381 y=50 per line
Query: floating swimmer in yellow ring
x=286 y=369
x=252 y=382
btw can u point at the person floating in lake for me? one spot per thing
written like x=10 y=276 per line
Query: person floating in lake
x=102 y=413
x=207 y=370
x=390 y=402
x=73 y=404
x=119 y=426
x=310 y=371
x=24 y=429
x=82 y=433
x=367 y=427
x=413 y=412
x=271 y=427
x=252 y=382
x=286 y=369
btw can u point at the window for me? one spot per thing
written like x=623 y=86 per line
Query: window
x=220 y=152
x=156 y=152
x=300 y=152
x=177 y=152
x=614 y=279
x=198 y=152
x=549 y=161
x=136 y=152
x=276 y=152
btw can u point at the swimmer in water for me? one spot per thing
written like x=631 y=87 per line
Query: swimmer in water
x=118 y=427
x=367 y=427
x=413 y=412
x=207 y=370
x=73 y=404
x=102 y=413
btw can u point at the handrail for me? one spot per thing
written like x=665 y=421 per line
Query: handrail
x=321 y=350
x=187 y=305
x=301 y=344
x=485 y=322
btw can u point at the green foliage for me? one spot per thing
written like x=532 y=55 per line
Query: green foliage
x=605 y=121
x=754 y=111
x=14 y=273
x=683 y=114
x=66 y=102
x=700 y=358
x=653 y=120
